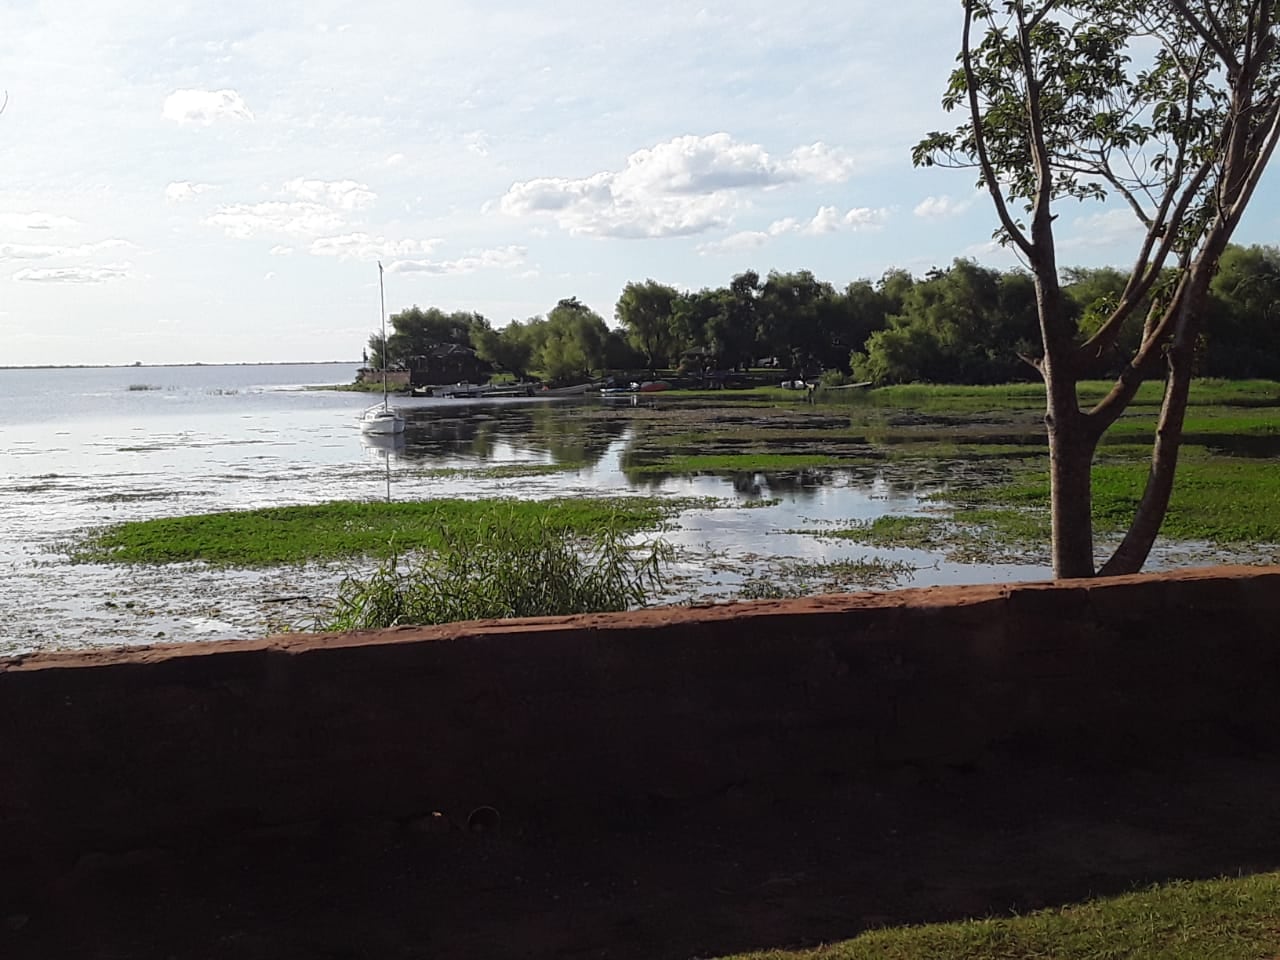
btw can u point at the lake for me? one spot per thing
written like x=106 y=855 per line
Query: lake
x=85 y=447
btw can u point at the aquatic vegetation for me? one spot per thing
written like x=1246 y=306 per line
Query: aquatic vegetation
x=805 y=578
x=327 y=531
x=502 y=569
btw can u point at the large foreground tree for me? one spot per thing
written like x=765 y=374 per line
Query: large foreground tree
x=1170 y=108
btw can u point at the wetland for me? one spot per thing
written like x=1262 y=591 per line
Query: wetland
x=167 y=504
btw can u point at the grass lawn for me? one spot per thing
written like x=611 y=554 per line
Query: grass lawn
x=1236 y=919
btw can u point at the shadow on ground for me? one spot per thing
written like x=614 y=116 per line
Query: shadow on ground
x=754 y=868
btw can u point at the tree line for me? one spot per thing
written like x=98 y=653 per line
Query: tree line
x=963 y=324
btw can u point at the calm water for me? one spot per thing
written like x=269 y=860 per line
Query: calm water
x=86 y=447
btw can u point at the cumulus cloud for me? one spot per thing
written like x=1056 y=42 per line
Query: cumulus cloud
x=297 y=218
x=280 y=250
x=36 y=220
x=205 y=107
x=685 y=186
x=362 y=246
x=341 y=194
x=826 y=220
x=940 y=208
x=73 y=274
x=497 y=258
x=180 y=191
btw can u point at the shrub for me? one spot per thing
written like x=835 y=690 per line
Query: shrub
x=505 y=569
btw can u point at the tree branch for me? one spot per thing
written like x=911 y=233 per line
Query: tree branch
x=1213 y=38
x=980 y=141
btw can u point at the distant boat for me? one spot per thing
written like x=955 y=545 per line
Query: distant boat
x=573 y=390
x=381 y=417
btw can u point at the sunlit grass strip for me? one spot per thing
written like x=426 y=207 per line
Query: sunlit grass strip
x=1237 y=919
x=330 y=531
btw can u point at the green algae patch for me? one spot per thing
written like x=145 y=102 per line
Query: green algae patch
x=344 y=529
x=737 y=463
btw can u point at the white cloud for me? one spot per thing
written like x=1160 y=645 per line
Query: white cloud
x=685 y=186
x=1118 y=225
x=40 y=251
x=36 y=220
x=939 y=208
x=205 y=107
x=736 y=242
x=866 y=218
x=395 y=160
x=362 y=246
x=498 y=258
x=341 y=194
x=826 y=220
x=280 y=250
x=73 y=274
x=179 y=191
x=298 y=218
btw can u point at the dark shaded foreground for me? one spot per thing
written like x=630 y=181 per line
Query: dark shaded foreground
x=752 y=868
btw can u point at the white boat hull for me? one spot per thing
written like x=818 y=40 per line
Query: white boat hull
x=381 y=421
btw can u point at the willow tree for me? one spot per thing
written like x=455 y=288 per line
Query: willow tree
x=1169 y=109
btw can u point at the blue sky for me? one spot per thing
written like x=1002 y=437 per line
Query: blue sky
x=214 y=182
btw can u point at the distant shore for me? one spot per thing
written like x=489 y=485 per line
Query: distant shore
x=143 y=366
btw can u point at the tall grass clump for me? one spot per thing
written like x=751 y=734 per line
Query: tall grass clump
x=502 y=569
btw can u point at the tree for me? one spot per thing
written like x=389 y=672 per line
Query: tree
x=1245 y=296
x=1057 y=109
x=965 y=324
x=510 y=348
x=646 y=310
x=575 y=341
x=417 y=331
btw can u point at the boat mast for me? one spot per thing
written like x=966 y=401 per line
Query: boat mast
x=382 y=315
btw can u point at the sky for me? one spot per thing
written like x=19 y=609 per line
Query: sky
x=197 y=182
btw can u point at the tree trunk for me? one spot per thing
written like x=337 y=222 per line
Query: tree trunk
x=1141 y=536
x=1071 y=499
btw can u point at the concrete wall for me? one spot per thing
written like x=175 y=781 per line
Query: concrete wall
x=583 y=718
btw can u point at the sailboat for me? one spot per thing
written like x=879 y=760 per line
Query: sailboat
x=381 y=417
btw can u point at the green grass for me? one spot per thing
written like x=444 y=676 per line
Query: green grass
x=330 y=531
x=1027 y=396
x=1236 y=919
x=1222 y=500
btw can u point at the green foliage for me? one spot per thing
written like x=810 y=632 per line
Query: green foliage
x=966 y=324
x=1229 y=919
x=329 y=531
x=647 y=311
x=506 y=567
x=1243 y=339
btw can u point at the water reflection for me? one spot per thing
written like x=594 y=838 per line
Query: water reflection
x=543 y=432
x=384 y=447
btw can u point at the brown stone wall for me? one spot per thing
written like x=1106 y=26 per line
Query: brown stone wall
x=593 y=718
